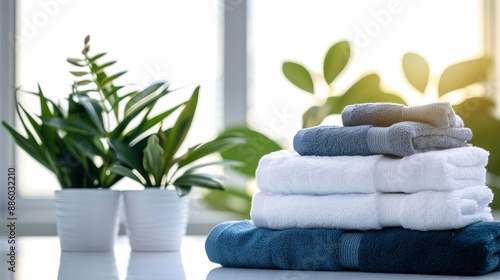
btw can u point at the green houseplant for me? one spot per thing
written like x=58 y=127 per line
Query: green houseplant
x=142 y=149
x=168 y=177
x=80 y=143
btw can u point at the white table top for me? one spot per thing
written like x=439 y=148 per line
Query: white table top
x=41 y=258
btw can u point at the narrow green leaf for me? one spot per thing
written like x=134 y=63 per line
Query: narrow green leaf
x=126 y=172
x=84 y=145
x=96 y=57
x=134 y=111
x=101 y=68
x=71 y=125
x=94 y=111
x=83 y=82
x=78 y=73
x=299 y=76
x=198 y=180
x=110 y=79
x=462 y=74
x=153 y=159
x=47 y=135
x=27 y=146
x=416 y=71
x=149 y=123
x=144 y=93
x=76 y=62
x=335 y=60
x=217 y=145
x=182 y=125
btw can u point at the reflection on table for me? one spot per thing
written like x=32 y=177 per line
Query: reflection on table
x=224 y=273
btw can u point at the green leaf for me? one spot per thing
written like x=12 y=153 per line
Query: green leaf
x=136 y=110
x=335 y=60
x=94 y=111
x=149 y=123
x=143 y=94
x=96 y=57
x=126 y=172
x=257 y=145
x=416 y=71
x=299 y=76
x=84 y=145
x=83 y=82
x=70 y=125
x=106 y=81
x=462 y=74
x=126 y=154
x=217 y=145
x=197 y=180
x=182 y=125
x=101 y=68
x=78 y=73
x=48 y=135
x=76 y=62
x=28 y=146
x=153 y=159
x=86 y=40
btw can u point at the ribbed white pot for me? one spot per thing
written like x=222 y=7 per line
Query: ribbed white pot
x=87 y=219
x=156 y=219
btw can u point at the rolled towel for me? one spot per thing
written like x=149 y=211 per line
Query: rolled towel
x=286 y=172
x=472 y=250
x=438 y=114
x=401 y=139
x=427 y=210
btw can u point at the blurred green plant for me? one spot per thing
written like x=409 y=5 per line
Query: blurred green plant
x=154 y=162
x=366 y=89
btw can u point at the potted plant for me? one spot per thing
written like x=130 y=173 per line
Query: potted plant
x=156 y=217
x=84 y=182
x=72 y=142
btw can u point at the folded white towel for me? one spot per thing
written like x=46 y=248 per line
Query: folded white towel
x=428 y=210
x=286 y=172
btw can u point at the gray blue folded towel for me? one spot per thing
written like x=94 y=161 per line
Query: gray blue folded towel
x=471 y=250
x=400 y=139
x=439 y=114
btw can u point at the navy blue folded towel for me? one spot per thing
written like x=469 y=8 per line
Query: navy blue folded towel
x=472 y=250
x=400 y=139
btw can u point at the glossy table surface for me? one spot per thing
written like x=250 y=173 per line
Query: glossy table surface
x=41 y=258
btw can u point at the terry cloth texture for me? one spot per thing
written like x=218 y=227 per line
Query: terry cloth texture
x=471 y=250
x=438 y=114
x=286 y=172
x=426 y=210
x=401 y=139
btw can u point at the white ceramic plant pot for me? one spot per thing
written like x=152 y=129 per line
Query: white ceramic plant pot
x=156 y=219
x=87 y=219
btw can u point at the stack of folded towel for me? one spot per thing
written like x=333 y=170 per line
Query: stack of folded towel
x=396 y=189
